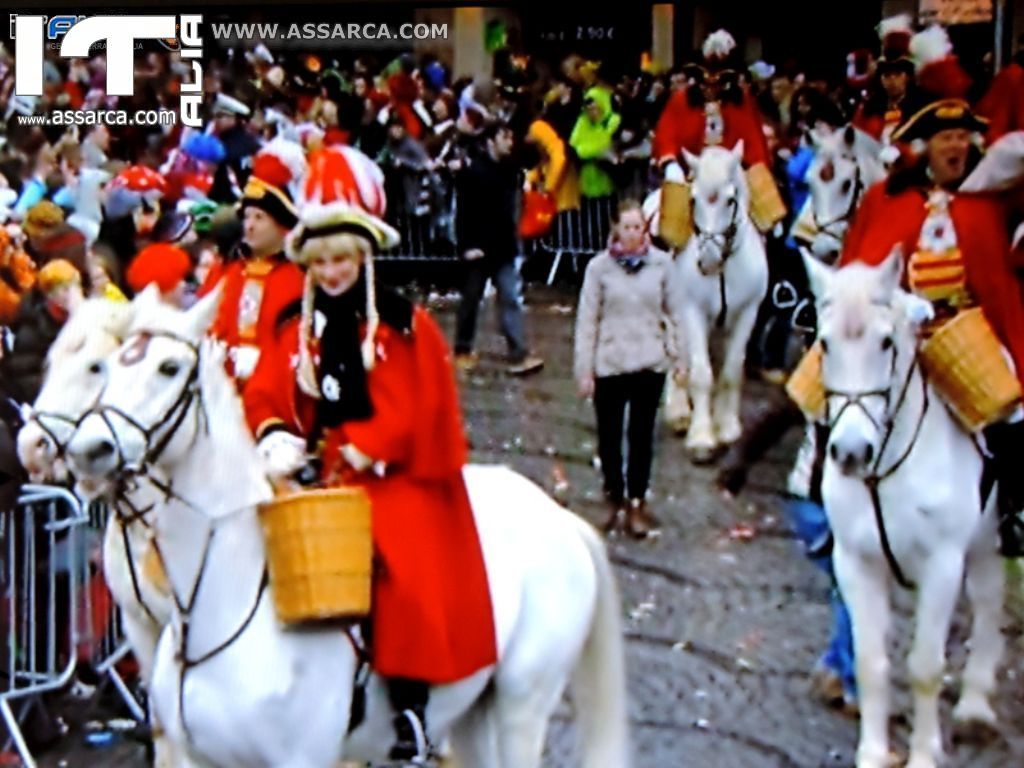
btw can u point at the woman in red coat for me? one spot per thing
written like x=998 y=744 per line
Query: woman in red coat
x=364 y=379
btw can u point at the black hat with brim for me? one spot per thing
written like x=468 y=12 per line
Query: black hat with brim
x=941 y=115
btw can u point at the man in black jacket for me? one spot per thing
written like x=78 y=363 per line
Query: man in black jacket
x=486 y=229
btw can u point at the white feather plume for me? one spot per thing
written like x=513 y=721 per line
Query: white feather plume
x=930 y=45
x=901 y=23
x=718 y=45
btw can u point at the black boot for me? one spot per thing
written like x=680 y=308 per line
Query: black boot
x=409 y=699
x=1006 y=443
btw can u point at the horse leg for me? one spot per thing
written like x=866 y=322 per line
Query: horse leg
x=985 y=587
x=522 y=721
x=730 y=378
x=473 y=737
x=937 y=596
x=865 y=588
x=142 y=635
x=700 y=440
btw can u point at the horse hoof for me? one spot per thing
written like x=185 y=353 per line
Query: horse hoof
x=679 y=426
x=975 y=732
x=703 y=455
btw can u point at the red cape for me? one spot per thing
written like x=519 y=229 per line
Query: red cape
x=681 y=126
x=432 y=613
x=884 y=219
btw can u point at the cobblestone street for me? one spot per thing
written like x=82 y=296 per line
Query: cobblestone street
x=724 y=616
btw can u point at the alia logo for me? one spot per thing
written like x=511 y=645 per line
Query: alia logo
x=119 y=33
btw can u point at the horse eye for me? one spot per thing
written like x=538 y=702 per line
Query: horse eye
x=887 y=343
x=96 y=368
x=169 y=368
x=847 y=185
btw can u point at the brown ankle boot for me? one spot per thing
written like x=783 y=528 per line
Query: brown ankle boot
x=639 y=522
x=616 y=521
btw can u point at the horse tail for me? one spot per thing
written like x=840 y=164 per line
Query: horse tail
x=599 y=681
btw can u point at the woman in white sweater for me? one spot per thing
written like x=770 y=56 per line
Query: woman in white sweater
x=628 y=337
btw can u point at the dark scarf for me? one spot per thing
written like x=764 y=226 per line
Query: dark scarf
x=631 y=261
x=341 y=374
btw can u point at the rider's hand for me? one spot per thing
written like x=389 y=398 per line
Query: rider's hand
x=281 y=453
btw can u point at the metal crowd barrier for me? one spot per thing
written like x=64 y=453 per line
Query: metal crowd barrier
x=430 y=236
x=49 y=612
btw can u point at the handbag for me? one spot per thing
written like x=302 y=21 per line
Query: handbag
x=539 y=210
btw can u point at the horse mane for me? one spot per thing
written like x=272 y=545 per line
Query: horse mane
x=103 y=315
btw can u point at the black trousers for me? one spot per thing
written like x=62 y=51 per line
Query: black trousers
x=641 y=392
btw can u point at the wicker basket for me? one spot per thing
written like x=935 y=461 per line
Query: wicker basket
x=676 y=223
x=766 y=206
x=805 y=387
x=320 y=554
x=967 y=366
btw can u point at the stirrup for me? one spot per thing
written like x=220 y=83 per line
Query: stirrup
x=416 y=751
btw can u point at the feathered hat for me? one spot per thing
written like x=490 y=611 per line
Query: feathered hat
x=895 y=34
x=943 y=85
x=720 y=61
x=275 y=170
x=341 y=195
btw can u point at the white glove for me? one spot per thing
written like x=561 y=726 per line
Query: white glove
x=889 y=154
x=917 y=310
x=244 y=359
x=281 y=454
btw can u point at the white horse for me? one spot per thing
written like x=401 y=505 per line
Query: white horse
x=75 y=376
x=902 y=491
x=234 y=687
x=846 y=164
x=724 y=277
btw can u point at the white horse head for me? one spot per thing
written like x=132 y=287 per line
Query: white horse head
x=161 y=386
x=867 y=328
x=845 y=165
x=74 y=379
x=721 y=200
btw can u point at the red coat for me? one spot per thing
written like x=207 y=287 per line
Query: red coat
x=681 y=126
x=277 y=281
x=884 y=219
x=877 y=125
x=1003 y=103
x=432 y=614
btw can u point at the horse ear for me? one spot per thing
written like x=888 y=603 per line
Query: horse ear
x=892 y=268
x=691 y=160
x=148 y=297
x=737 y=151
x=819 y=275
x=202 y=315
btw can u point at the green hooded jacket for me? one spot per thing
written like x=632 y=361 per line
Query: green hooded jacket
x=593 y=143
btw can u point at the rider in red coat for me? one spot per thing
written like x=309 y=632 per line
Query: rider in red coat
x=260 y=285
x=363 y=379
x=956 y=247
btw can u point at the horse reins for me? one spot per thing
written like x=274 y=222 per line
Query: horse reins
x=728 y=238
x=874 y=479
x=858 y=188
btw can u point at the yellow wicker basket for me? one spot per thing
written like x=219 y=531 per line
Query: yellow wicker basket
x=676 y=223
x=766 y=206
x=805 y=387
x=967 y=366
x=320 y=554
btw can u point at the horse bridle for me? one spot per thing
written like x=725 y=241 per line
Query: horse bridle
x=727 y=237
x=875 y=477
x=174 y=416
x=844 y=218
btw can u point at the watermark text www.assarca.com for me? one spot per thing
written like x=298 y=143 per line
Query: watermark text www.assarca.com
x=142 y=117
x=119 y=33
x=327 y=34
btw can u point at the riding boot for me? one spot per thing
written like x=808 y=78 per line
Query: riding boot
x=1005 y=443
x=639 y=521
x=409 y=700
